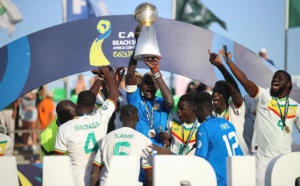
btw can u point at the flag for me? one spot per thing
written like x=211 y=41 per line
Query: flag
x=83 y=9
x=9 y=15
x=194 y=12
x=294 y=13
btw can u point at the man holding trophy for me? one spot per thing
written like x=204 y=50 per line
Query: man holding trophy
x=153 y=111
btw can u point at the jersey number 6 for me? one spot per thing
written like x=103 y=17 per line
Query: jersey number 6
x=119 y=146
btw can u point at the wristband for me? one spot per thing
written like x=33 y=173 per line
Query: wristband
x=100 y=78
x=157 y=75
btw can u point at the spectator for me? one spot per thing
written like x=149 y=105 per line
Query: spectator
x=182 y=127
x=114 y=144
x=65 y=110
x=79 y=137
x=263 y=54
x=80 y=84
x=29 y=119
x=233 y=110
x=275 y=115
x=45 y=110
x=40 y=95
x=216 y=137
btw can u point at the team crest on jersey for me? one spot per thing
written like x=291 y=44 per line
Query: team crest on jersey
x=156 y=106
x=291 y=111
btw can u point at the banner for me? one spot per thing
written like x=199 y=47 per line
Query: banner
x=69 y=48
x=30 y=174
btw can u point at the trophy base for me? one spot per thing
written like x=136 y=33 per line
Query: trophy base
x=141 y=57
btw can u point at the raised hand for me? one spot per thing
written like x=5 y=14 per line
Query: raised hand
x=119 y=74
x=214 y=58
x=222 y=53
x=152 y=63
x=100 y=71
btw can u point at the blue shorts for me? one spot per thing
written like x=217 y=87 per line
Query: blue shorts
x=30 y=115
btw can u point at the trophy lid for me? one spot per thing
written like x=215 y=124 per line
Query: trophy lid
x=146 y=14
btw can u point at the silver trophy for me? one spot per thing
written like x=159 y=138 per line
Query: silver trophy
x=146 y=14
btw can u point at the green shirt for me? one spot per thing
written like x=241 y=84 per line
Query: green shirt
x=48 y=137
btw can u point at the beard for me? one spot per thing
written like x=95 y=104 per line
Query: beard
x=276 y=93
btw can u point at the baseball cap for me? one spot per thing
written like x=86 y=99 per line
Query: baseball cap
x=263 y=50
x=49 y=94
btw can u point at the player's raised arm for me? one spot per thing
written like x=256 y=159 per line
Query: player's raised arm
x=235 y=94
x=97 y=84
x=153 y=64
x=112 y=86
x=130 y=76
x=249 y=86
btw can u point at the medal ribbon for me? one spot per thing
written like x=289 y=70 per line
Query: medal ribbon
x=150 y=117
x=185 y=144
x=283 y=117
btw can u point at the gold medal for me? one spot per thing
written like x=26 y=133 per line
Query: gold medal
x=287 y=129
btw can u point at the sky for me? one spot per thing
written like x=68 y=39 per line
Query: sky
x=253 y=24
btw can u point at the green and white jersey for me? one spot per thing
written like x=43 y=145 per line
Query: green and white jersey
x=270 y=137
x=80 y=136
x=124 y=141
x=180 y=134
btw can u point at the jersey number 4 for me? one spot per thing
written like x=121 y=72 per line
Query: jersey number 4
x=230 y=148
x=90 y=144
